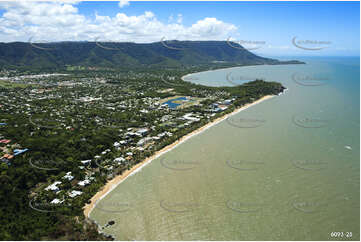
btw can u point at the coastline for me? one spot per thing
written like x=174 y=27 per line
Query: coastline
x=231 y=67
x=112 y=184
x=220 y=69
x=225 y=68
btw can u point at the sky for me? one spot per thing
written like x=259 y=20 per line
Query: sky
x=265 y=28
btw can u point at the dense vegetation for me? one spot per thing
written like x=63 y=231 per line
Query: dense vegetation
x=20 y=181
x=55 y=56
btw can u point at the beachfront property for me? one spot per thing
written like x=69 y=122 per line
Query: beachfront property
x=84 y=183
x=144 y=141
x=217 y=107
x=75 y=193
x=119 y=160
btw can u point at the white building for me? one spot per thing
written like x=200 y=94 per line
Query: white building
x=53 y=187
x=85 y=162
x=68 y=176
x=56 y=201
x=144 y=141
x=119 y=160
x=142 y=131
x=189 y=117
x=84 y=183
x=75 y=193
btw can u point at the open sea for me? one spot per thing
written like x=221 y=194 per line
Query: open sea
x=285 y=169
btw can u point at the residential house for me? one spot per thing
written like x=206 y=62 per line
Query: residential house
x=53 y=187
x=84 y=183
x=75 y=193
x=68 y=176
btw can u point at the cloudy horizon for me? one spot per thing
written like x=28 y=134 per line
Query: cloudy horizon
x=139 y=22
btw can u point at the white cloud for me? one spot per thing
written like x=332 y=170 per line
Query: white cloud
x=123 y=3
x=180 y=18
x=170 y=18
x=57 y=21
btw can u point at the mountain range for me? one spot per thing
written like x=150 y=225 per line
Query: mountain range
x=121 y=55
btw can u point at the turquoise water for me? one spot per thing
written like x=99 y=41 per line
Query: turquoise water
x=285 y=169
x=172 y=104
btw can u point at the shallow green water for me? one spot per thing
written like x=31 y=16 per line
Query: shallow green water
x=285 y=169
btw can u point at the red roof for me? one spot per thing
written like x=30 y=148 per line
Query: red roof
x=8 y=156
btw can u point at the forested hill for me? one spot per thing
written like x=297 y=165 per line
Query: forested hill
x=168 y=54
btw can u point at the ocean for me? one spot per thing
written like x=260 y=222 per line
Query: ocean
x=285 y=169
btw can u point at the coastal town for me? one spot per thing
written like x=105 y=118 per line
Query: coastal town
x=179 y=121
x=84 y=129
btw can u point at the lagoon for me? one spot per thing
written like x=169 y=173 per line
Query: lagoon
x=171 y=104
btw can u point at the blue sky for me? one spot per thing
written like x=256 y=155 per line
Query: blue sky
x=323 y=28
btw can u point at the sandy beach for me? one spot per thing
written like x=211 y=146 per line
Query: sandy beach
x=112 y=184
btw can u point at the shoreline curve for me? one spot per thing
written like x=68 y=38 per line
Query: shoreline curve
x=113 y=183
